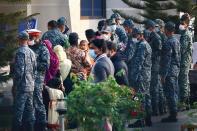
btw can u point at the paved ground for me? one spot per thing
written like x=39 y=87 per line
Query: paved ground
x=158 y=126
x=6 y=99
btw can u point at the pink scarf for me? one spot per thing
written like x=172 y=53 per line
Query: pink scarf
x=54 y=62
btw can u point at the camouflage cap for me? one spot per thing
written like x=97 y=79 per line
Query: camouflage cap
x=116 y=16
x=137 y=31
x=23 y=35
x=160 y=22
x=170 y=26
x=129 y=23
x=150 y=24
x=61 y=21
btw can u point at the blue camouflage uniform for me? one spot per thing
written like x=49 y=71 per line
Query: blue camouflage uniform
x=162 y=100
x=56 y=38
x=129 y=50
x=120 y=31
x=146 y=31
x=185 y=64
x=146 y=34
x=141 y=73
x=24 y=77
x=43 y=61
x=170 y=66
x=156 y=45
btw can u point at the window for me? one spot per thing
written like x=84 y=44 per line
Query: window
x=93 y=9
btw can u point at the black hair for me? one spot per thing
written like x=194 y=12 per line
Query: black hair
x=101 y=23
x=185 y=17
x=52 y=24
x=111 y=46
x=98 y=33
x=90 y=33
x=100 y=44
x=83 y=41
x=54 y=83
x=73 y=39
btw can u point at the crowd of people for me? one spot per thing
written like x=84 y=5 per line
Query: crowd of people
x=152 y=61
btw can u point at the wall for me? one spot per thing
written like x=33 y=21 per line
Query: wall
x=77 y=24
x=49 y=10
x=53 y=9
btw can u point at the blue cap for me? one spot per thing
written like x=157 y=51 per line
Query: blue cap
x=23 y=35
x=116 y=16
x=150 y=24
x=61 y=21
x=129 y=23
x=160 y=22
x=170 y=26
x=137 y=31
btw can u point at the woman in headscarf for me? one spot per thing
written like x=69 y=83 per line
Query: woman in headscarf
x=65 y=64
x=54 y=62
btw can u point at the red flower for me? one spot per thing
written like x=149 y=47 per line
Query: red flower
x=134 y=113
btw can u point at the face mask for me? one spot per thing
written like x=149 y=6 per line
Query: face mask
x=181 y=27
x=92 y=53
x=31 y=43
x=106 y=37
x=113 y=27
x=157 y=29
x=135 y=40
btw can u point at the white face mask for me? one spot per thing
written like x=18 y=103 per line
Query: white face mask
x=135 y=40
x=113 y=27
x=182 y=27
x=157 y=29
x=106 y=37
x=31 y=43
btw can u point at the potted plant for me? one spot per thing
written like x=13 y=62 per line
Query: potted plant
x=94 y=105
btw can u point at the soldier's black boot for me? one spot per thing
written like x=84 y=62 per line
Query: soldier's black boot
x=171 y=118
x=40 y=127
x=137 y=124
x=148 y=121
x=28 y=127
x=17 y=128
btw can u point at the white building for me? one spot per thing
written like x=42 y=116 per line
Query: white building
x=80 y=14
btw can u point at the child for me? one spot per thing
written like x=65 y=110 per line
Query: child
x=84 y=46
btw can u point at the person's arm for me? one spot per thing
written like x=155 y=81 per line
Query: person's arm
x=165 y=61
x=85 y=62
x=44 y=60
x=139 y=60
x=158 y=43
x=186 y=44
x=121 y=74
x=99 y=73
x=19 y=67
